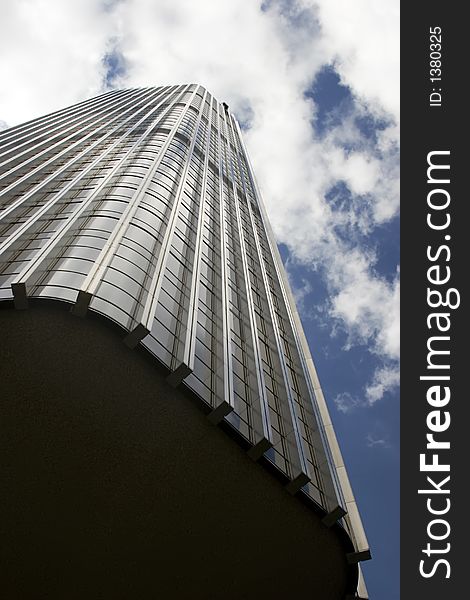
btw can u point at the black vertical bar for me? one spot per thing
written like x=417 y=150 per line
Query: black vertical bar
x=434 y=231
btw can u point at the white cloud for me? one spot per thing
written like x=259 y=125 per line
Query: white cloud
x=363 y=36
x=385 y=380
x=368 y=306
x=261 y=63
x=51 y=55
x=345 y=402
x=374 y=442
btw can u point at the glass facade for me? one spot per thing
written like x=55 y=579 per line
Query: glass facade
x=142 y=205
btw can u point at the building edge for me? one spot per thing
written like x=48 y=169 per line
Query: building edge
x=340 y=476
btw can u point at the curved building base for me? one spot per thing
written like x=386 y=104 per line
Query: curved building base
x=116 y=486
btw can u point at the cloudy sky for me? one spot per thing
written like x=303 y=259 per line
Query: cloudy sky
x=315 y=86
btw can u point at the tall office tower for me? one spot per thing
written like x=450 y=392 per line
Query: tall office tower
x=139 y=208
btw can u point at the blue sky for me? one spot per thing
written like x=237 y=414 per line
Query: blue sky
x=316 y=87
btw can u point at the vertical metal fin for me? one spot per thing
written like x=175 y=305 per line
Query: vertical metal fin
x=98 y=269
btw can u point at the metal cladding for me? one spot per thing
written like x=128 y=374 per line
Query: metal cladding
x=141 y=205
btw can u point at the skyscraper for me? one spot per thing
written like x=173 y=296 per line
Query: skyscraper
x=140 y=206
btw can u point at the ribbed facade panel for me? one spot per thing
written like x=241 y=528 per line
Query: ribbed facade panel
x=141 y=205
